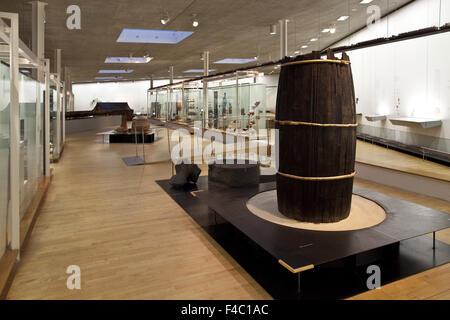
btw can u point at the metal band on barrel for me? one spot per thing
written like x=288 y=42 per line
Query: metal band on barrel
x=301 y=123
x=315 y=61
x=318 y=178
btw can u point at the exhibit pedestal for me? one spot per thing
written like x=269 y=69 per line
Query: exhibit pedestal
x=330 y=264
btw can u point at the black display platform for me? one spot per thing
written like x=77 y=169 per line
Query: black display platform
x=130 y=137
x=332 y=264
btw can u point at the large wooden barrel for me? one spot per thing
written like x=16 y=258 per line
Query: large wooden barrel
x=316 y=119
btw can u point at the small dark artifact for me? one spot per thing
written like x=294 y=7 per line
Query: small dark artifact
x=316 y=119
x=235 y=174
x=185 y=173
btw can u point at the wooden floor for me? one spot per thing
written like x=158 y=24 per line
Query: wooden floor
x=132 y=241
x=373 y=154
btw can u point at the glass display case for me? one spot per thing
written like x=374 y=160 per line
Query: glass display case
x=153 y=107
x=31 y=140
x=193 y=104
x=163 y=102
x=53 y=124
x=230 y=107
x=4 y=154
x=242 y=109
x=176 y=104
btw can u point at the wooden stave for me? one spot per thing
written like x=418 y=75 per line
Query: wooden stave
x=293 y=191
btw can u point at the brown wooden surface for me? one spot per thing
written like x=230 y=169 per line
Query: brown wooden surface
x=28 y=220
x=315 y=93
x=7 y=263
x=133 y=242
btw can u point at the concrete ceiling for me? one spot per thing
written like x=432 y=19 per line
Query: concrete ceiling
x=228 y=29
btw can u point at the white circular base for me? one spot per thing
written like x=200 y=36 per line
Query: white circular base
x=364 y=214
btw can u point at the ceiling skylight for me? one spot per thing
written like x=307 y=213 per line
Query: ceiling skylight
x=198 y=70
x=153 y=36
x=116 y=71
x=109 y=78
x=128 y=59
x=235 y=61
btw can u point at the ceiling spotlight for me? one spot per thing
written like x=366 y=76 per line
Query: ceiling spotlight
x=273 y=29
x=194 y=21
x=165 y=19
x=333 y=29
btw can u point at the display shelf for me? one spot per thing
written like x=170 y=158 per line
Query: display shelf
x=423 y=122
x=376 y=117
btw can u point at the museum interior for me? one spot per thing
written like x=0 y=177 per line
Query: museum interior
x=215 y=150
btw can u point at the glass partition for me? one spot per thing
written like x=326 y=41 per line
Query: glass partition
x=53 y=131
x=227 y=113
x=176 y=105
x=61 y=116
x=193 y=104
x=4 y=155
x=252 y=104
x=31 y=144
x=163 y=101
x=152 y=104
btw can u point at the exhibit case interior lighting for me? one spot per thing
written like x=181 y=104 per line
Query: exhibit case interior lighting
x=235 y=102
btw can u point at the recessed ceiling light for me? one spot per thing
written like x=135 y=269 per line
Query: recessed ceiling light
x=333 y=30
x=366 y=1
x=108 y=78
x=198 y=70
x=128 y=59
x=116 y=71
x=326 y=30
x=304 y=46
x=296 y=52
x=153 y=36
x=234 y=61
x=342 y=18
x=314 y=39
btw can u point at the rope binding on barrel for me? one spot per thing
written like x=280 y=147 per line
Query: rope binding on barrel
x=345 y=176
x=301 y=123
x=315 y=61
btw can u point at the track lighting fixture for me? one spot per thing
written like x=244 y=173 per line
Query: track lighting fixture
x=194 y=21
x=165 y=18
x=273 y=29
